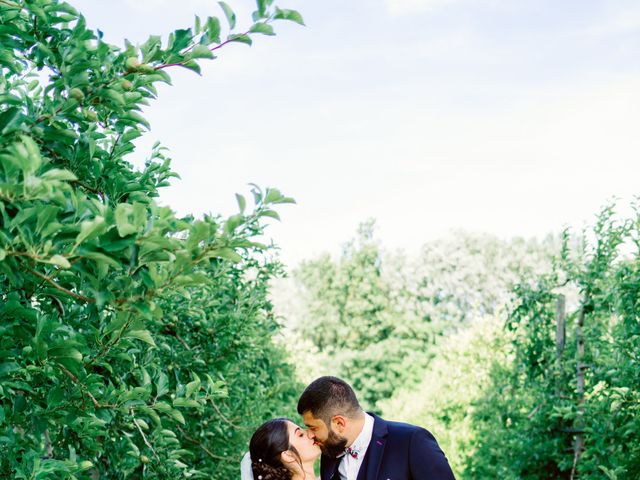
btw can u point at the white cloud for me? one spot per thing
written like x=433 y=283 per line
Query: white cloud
x=616 y=22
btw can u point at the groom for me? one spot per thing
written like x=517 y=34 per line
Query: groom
x=360 y=446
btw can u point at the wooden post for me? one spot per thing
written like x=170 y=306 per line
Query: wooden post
x=560 y=341
x=578 y=445
x=560 y=327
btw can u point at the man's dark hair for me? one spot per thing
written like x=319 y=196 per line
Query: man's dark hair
x=326 y=397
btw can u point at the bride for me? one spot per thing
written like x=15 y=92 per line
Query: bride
x=280 y=450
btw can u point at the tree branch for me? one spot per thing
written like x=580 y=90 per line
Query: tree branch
x=144 y=437
x=206 y=450
x=51 y=282
x=180 y=64
x=226 y=420
x=75 y=380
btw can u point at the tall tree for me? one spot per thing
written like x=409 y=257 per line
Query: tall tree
x=131 y=343
x=374 y=316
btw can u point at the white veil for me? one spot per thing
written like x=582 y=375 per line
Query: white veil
x=245 y=468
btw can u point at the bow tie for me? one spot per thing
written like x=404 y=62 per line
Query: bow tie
x=352 y=452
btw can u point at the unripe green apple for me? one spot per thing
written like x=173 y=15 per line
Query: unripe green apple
x=132 y=63
x=77 y=94
x=91 y=115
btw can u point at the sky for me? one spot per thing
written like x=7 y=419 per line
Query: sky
x=514 y=118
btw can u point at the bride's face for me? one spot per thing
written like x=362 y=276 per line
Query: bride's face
x=306 y=447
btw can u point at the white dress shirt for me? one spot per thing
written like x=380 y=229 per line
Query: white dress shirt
x=350 y=466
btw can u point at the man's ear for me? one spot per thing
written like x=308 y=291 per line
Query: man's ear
x=339 y=423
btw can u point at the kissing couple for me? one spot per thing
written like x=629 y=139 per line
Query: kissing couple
x=352 y=444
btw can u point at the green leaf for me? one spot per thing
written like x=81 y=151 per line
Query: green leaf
x=291 y=15
x=162 y=387
x=176 y=415
x=9 y=118
x=59 y=174
x=192 y=65
x=184 y=402
x=116 y=324
x=101 y=257
x=231 y=16
x=162 y=407
x=141 y=423
x=233 y=222
x=242 y=203
x=270 y=213
x=114 y=96
x=135 y=118
x=28 y=154
x=192 y=387
x=121 y=215
x=240 y=37
x=273 y=195
x=159 y=76
x=155 y=418
x=60 y=261
x=90 y=228
x=263 y=28
x=143 y=335
x=201 y=51
x=55 y=397
x=7 y=367
x=181 y=39
x=151 y=48
x=3 y=254
x=225 y=253
x=129 y=218
x=213 y=29
x=131 y=134
x=67 y=357
x=262 y=7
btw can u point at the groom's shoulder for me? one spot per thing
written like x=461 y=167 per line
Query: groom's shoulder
x=399 y=428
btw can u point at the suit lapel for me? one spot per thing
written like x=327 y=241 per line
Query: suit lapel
x=373 y=457
x=328 y=467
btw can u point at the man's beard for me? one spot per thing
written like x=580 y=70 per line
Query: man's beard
x=334 y=445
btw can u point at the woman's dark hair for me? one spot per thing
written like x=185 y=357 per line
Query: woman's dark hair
x=265 y=447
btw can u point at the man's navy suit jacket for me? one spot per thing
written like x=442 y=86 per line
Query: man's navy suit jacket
x=398 y=451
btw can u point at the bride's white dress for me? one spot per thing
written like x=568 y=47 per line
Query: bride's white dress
x=245 y=468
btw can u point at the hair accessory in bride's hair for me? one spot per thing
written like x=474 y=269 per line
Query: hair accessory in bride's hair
x=259 y=477
x=260 y=460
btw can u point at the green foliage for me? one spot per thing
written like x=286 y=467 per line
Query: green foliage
x=505 y=403
x=546 y=409
x=374 y=317
x=456 y=378
x=133 y=343
x=353 y=324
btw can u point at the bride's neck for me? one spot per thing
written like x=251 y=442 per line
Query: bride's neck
x=308 y=474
